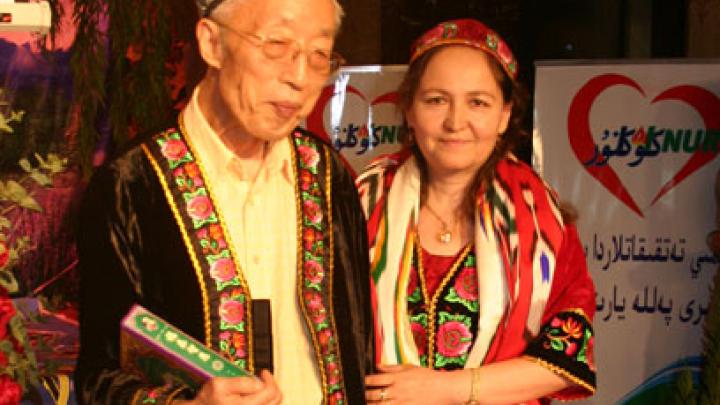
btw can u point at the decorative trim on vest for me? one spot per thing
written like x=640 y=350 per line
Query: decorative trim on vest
x=565 y=346
x=315 y=261
x=208 y=244
x=443 y=323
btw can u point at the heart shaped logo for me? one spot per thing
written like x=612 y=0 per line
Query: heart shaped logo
x=315 y=122
x=362 y=138
x=706 y=103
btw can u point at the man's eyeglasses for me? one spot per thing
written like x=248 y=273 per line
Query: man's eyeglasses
x=276 y=48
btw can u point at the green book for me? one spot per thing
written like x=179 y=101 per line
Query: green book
x=161 y=353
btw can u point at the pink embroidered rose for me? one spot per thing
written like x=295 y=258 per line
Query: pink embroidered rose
x=312 y=211
x=7 y=312
x=223 y=270
x=313 y=271
x=4 y=254
x=333 y=372
x=232 y=312
x=556 y=322
x=454 y=339
x=174 y=149
x=312 y=300
x=309 y=156
x=199 y=207
x=336 y=398
x=466 y=284
x=318 y=315
x=325 y=337
x=420 y=337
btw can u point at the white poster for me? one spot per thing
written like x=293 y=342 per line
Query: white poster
x=634 y=148
x=356 y=113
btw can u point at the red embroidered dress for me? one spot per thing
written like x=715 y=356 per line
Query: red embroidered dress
x=522 y=290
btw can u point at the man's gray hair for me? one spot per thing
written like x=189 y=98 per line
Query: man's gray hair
x=208 y=7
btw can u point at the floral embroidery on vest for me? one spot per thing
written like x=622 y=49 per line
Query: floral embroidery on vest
x=565 y=346
x=315 y=259
x=568 y=335
x=443 y=325
x=201 y=222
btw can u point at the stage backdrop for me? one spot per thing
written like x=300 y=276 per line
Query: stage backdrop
x=356 y=113
x=634 y=147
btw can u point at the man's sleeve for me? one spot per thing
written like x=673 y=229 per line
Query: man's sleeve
x=110 y=251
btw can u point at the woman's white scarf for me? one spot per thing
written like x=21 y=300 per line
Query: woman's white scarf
x=497 y=247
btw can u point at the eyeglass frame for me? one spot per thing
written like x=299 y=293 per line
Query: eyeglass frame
x=335 y=60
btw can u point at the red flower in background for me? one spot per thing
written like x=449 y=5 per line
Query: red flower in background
x=10 y=391
x=7 y=311
x=4 y=254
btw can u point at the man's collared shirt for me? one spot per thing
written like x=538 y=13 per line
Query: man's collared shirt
x=260 y=215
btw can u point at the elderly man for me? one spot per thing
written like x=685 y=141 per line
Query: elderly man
x=234 y=205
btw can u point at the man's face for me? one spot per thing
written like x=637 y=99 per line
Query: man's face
x=265 y=97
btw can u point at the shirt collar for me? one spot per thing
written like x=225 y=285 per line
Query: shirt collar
x=219 y=159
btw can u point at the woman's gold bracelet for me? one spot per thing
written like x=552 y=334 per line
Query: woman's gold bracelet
x=474 y=387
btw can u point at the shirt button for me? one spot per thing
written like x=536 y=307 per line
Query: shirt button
x=256 y=259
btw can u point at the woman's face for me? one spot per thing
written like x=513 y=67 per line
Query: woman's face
x=458 y=111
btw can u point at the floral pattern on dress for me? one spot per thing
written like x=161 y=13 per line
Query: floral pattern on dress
x=443 y=330
x=464 y=290
x=454 y=339
x=568 y=335
x=565 y=345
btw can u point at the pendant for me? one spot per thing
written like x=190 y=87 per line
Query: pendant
x=445 y=236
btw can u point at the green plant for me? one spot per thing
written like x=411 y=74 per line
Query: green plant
x=18 y=366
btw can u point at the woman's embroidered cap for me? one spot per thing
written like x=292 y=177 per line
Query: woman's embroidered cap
x=207 y=6
x=467 y=32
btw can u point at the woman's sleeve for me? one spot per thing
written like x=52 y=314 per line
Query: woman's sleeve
x=109 y=247
x=565 y=343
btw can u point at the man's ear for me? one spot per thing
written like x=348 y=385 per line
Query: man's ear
x=209 y=42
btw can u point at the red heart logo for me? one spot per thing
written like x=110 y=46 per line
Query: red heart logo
x=703 y=101
x=315 y=121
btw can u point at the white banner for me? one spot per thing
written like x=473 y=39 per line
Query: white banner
x=356 y=113
x=634 y=147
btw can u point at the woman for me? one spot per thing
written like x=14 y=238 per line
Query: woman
x=480 y=286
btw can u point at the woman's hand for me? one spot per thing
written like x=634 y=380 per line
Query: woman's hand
x=405 y=384
x=237 y=390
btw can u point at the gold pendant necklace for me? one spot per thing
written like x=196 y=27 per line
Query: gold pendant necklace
x=445 y=235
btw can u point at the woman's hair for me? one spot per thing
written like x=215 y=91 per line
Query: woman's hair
x=512 y=92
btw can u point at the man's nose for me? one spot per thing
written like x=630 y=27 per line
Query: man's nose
x=296 y=71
